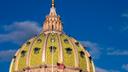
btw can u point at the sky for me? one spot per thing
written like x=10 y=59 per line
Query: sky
x=100 y=25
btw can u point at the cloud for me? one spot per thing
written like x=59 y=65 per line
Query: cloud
x=125 y=15
x=98 y=69
x=18 y=32
x=125 y=67
x=124 y=28
x=6 y=55
x=95 y=49
x=118 y=53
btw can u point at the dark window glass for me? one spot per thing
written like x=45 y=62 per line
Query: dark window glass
x=14 y=57
x=36 y=50
x=23 y=53
x=66 y=40
x=84 y=47
x=52 y=49
x=52 y=39
x=82 y=54
x=90 y=58
x=77 y=43
x=28 y=43
x=80 y=71
x=39 y=40
x=68 y=50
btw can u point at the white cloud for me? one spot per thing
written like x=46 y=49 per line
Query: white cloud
x=125 y=67
x=124 y=28
x=18 y=32
x=95 y=48
x=125 y=15
x=98 y=69
x=6 y=55
x=118 y=53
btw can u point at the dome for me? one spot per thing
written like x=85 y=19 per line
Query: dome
x=52 y=51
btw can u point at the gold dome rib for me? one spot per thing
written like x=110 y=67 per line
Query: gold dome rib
x=44 y=49
x=61 y=60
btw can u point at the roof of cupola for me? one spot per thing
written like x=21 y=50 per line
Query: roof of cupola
x=52 y=22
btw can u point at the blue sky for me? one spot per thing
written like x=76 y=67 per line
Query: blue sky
x=102 y=25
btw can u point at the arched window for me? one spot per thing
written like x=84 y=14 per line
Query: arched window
x=82 y=54
x=39 y=40
x=36 y=50
x=66 y=40
x=52 y=39
x=28 y=43
x=52 y=49
x=77 y=43
x=14 y=57
x=23 y=53
x=68 y=50
x=90 y=58
x=81 y=71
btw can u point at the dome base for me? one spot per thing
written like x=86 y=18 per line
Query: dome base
x=46 y=68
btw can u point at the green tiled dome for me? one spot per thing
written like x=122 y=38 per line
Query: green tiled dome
x=56 y=48
x=52 y=49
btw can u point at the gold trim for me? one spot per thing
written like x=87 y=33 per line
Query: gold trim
x=61 y=60
x=12 y=62
x=44 y=49
x=93 y=66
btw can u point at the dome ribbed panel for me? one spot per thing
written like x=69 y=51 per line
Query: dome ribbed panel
x=61 y=57
x=69 y=59
x=82 y=60
x=52 y=55
x=36 y=58
x=21 y=62
x=44 y=49
x=75 y=52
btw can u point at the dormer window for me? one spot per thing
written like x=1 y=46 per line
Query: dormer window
x=23 y=53
x=81 y=71
x=84 y=47
x=82 y=54
x=39 y=40
x=68 y=50
x=36 y=50
x=28 y=43
x=90 y=58
x=66 y=40
x=52 y=49
x=52 y=39
x=14 y=57
x=77 y=43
